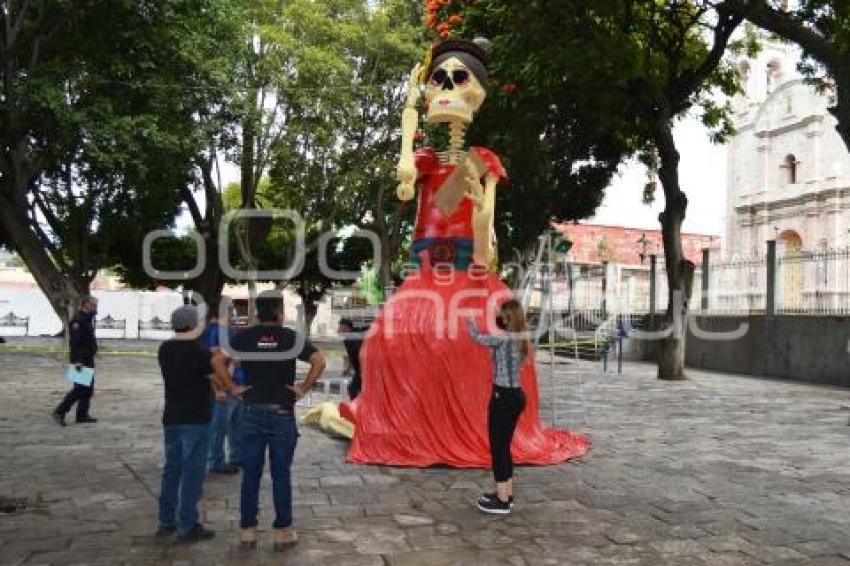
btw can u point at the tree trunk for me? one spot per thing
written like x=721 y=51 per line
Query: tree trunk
x=385 y=268
x=680 y=271
x=210 y=283
x=247 y=233
x=385 y=276
x=243 y=239
x=59 y=288
x=311 y=309
x=390 y=235
x=841 y=110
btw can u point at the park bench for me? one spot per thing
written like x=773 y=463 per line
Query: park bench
x=11 y=320
x=110 y=323
x=155 y=324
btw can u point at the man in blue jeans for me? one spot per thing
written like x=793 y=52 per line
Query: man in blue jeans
x=268 y=415
x=227 y=409
x=186 y=370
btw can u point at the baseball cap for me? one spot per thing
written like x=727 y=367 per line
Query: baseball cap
x=184 y=318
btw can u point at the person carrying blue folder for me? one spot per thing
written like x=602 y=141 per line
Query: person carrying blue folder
x=83 y=347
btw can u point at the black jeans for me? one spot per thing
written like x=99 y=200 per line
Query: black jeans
x=354 y=386
x=81 y=395
x=506 y=405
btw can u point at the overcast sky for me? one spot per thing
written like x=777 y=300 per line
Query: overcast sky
x=702 y=173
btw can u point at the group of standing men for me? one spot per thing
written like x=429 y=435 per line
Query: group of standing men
x=266 y=354
x=221 y=384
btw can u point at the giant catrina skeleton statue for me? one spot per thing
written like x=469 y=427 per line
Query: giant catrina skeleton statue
x=426 y=385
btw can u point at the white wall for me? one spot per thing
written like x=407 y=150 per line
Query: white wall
x=129 y=305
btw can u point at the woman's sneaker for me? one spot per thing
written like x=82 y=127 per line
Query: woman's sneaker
x=494 y=506
x=493 y=495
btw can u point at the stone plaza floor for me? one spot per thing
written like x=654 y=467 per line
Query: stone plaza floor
x=719 y=469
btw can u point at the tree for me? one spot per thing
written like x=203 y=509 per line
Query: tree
x=97 y=127
x=340 y=150
x=292 y=61
x=393 y=41
x=313 y=114
x=632 y=68
x=822 y=29
x=558 y=149
x=334 y=161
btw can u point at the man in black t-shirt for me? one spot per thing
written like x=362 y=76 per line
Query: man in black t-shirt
x=267 y=354
x=186 y=371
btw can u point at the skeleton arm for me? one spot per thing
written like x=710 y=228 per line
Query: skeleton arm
x=483 y=216
x=406 y=170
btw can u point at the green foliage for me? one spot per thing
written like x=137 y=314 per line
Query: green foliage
x=556 y=144
x=821 y=28
x=231 y=196
x=589 y=79
x=167 y=254
x=341 y=90
x=830 y=22
x=370 y=285
x=830 y=18
x=104 y=121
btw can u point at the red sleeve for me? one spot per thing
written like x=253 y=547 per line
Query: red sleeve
x=494 y=164
x=426 y=162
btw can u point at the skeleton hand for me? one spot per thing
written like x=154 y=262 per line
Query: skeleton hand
x=406 y=175
x=413 y=86
x=475 y=190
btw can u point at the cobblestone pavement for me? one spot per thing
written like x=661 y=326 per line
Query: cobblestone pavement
x=719 y=469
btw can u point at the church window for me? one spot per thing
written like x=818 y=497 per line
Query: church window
x=790 y=167
x=744 y=75
x=774 y=72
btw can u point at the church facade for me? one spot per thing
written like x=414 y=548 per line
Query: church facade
x=788 y=170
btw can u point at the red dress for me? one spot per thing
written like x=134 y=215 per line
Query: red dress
x=426 y=384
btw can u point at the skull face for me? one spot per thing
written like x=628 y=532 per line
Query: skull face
x=452 y=93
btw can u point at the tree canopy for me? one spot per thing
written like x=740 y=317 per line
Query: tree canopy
x=612 y=77
x=97 y=128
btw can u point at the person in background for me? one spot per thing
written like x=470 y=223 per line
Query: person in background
x=268 y=418
x=509 y=350
x=352 y=359
x=186 y=371
x=82 y=349
x=227 y=409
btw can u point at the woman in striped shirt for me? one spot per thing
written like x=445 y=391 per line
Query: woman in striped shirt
x=509 y=350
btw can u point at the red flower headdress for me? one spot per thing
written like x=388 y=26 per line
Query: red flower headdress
x=444 y=15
